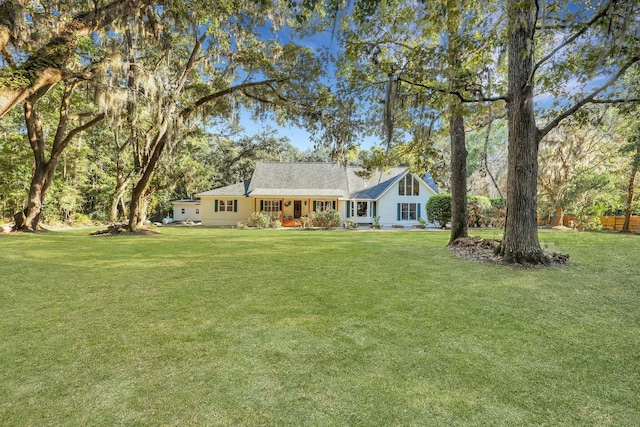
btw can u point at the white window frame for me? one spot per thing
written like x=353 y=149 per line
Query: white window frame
x=408 y=211
x=354 y=209
x=324 y=205
x=225 y=205
x=271 y=205
x=408 y=186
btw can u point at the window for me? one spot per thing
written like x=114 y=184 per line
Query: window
x=360 y=209
x=225 y=206
x=408 y=211
x=271 y=205
x=324 y=205
x=408 y=186
x=182 y=211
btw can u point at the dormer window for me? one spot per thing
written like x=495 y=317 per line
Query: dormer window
x=408 y=186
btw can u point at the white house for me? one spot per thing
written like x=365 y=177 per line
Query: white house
x=186 y=209
x=293 y=190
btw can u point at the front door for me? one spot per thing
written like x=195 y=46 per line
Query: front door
x=297 y=208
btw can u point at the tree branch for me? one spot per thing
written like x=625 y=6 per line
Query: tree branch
x=588 y=99
x=571 y=39
x=186 y=112
x=481 y=98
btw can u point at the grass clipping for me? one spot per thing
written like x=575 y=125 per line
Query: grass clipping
x=488 y=251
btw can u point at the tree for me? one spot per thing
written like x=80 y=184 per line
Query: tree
x=427 y=71
x=584 y=140
x=575 y=56
x=632 y=148
x=45 y=164
x=15 y=170
x=195 y=67
x=39 y=47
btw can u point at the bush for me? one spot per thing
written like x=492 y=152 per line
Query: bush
x=350 y=224
x=497 y=212
x=439 y=209
x=376 y=222
x=478 y=211
x=259 y=220
x=326 y=219
x=306 y=222
x=589 y=223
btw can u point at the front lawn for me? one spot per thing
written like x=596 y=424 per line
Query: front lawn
x=202 y=326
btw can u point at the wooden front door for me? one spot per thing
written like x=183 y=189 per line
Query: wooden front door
x=297 y=208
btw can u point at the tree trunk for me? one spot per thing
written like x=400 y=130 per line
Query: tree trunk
x=458 y=174
x=520 y=243
x=456 y=129
x=137 y=208
x=627 y=211
x=558 y=216
x=138 y=205
x=29 y=218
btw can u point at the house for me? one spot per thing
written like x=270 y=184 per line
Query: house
x=186 y=210
x=294 y=190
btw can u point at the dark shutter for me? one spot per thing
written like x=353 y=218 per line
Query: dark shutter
x=334 y=205
x=235 y=206
x=216 y=204
x=314 y=205
x=399 y=211
x=261 y=205
x=419 y=216
x=348 y=208
x=375 y=205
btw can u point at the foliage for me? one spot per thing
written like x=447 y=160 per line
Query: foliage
x=439 y=209
x=350 y=224
x=376 y=222
x=591 y=193
x=478 y=210
x=307 y=222
x=326 y=219
x=259 y=220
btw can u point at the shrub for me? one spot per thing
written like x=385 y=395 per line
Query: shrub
x=307 y=222
x=259 y=220
x=478 y=211
x=497 y=212
x=326 y=219
x=376 y=222
x=439 y=209
x=589 y=223
x=77 y=218
x=350 y=224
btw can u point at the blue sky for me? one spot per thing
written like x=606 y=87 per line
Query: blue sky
x=299 y=137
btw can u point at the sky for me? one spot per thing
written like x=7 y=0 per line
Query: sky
x=299 y=137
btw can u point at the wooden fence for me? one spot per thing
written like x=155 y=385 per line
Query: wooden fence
x=609 y=222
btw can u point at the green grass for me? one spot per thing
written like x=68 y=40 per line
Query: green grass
x=288 y=327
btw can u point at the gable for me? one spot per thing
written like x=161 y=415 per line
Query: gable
x=375 y=186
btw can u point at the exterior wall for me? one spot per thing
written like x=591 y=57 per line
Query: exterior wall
x=212 y=218
x=192 y=211
x=388 y=206
x=353 y=214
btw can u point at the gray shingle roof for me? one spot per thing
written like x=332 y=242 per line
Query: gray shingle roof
x=311 y=179
x=299 y=179
x=239 y=189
